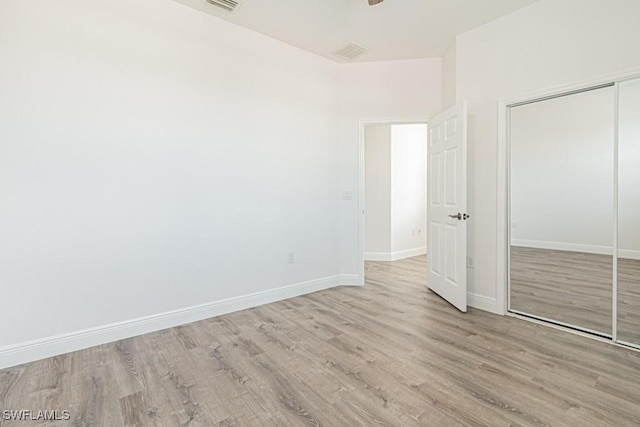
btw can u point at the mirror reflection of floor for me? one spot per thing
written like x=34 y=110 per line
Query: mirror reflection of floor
x=629 y=300
x=576 y=288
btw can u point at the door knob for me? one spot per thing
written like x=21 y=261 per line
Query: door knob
x=458 y=216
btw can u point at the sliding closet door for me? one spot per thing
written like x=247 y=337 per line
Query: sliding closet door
x=561 y=209
x=629 y=213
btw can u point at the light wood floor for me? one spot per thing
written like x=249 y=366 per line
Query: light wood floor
x=576 y=288
x=390 y=353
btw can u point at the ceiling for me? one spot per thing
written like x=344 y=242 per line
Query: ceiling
x=394 y=29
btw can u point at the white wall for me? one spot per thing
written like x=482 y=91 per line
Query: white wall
x=154 y=158
x=449 y=77
x=408 y=190
x=544 y=45
x=629 y=170
x=377 y=225
x=562 y=172
x=377 y=90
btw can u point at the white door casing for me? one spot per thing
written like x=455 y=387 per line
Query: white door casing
x=447 y=206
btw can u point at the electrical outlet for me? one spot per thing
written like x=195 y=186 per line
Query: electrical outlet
x=346 y=195
x=291 y=256
x=469 y=262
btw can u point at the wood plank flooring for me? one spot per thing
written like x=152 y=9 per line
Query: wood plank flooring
x=390 y=353
x=576 y=288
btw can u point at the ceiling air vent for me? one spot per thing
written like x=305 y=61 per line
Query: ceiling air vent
x=350 y=52
x=229 y=5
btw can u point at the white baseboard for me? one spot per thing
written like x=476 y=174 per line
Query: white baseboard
x=482 y=302
x=42 y=348
x=561 y=246
x=350 y=280
x=628 y=254
x=377 y=256
x=394 y=256
x=575 y=247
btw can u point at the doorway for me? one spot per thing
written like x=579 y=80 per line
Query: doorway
x=446 y=202
x=395 y=188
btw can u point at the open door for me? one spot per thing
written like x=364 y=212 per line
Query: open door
x=447 y=206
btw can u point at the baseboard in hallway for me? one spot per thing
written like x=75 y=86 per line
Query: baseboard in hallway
x=394 y=256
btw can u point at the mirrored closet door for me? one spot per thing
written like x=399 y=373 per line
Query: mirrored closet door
x=574 y=210
x=628 y=284
x=561 y=209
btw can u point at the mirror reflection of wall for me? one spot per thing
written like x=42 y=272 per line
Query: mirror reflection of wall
x=629 y=212
x=561 y=208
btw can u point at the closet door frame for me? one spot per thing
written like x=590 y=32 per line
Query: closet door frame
x=503 y=191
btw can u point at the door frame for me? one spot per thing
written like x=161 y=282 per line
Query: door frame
x=503 y=170
x=362 y=123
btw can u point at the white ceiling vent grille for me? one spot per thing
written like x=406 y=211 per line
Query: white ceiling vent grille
x=229 y=5
x=350 y=52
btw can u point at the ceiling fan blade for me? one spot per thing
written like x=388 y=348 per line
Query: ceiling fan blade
x=372 y=2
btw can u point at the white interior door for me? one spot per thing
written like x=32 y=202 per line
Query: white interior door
x=447 y=206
